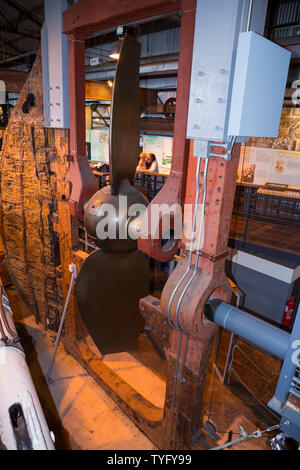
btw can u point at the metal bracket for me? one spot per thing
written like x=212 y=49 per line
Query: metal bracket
x=211 y=258
x=228 y=146
x=214 y=258
x=203 y=148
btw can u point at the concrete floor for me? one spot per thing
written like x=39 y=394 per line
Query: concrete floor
x=83 y=416
x=79 y=412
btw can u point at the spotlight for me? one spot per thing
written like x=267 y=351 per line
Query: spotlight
x=115 y=51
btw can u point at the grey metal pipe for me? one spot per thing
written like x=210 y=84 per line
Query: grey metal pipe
x=257 y=332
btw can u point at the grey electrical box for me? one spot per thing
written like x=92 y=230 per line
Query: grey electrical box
x=217 y=28
x=238 y=78
x=259 y=83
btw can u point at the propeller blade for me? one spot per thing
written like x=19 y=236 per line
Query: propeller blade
x=125 y=115
x=108 y=290
x=111 y=282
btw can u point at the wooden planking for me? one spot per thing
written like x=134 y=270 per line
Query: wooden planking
x=94 y=89
x=164 y=126
x=28 y=207
x=97 y=90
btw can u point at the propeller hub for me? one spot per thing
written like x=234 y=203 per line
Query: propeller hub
x=112 y=219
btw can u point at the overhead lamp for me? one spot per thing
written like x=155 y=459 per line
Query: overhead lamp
x=115 y=51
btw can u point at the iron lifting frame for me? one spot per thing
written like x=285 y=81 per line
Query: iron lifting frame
x=228 y=146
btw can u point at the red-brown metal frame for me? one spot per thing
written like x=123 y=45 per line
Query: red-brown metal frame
x=89 y=16
x=83 y=183
x=82 y=19
x=174 y=189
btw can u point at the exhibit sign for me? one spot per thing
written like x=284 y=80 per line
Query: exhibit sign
x=98 y=139
x=259 y=165
x=161 y=146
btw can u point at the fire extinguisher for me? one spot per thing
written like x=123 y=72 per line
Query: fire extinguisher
x=289 y=311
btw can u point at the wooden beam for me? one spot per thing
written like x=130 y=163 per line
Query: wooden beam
x=159 y=109
x=14 y=58
x=94 y=90
x=99 y=90
x=13 y=79
x=76 y=51
x=157 y=125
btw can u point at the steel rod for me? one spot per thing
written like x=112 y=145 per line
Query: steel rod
x=73 y=270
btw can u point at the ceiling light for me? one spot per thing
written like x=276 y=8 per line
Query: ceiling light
x=115 y=51
x=114 y=55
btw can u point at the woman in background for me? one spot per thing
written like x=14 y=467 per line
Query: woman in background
x=142 y=162
x=151 y=163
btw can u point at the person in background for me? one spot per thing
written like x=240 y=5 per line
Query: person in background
x=151 y=163
x=142 y=162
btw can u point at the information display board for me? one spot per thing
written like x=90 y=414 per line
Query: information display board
x=98 y=139
x=258 y=165
x=161 y=146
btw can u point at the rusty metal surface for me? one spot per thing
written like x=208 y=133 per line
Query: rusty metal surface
x=210 y=279
x=82 y=181
x=125 y=115
x=92 y=15
x=100 y=278
x=108 y=290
